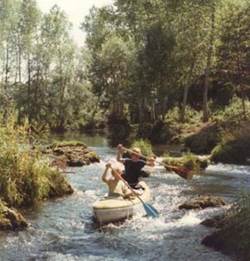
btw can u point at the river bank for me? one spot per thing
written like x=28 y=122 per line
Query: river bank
x=27 y=177
x=165 y=186
x=63 y=228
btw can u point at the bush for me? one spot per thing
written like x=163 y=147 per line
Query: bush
x=192 y=116
x=25 y=176
x=176 y=129
x=235 y=147
x=160 y=133
x=144 y=145
x=221 y=94
x=70 y=143
x=145 y=130
x=188 y=161
x=232 y=112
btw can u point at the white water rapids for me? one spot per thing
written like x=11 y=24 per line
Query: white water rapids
x=63 y=229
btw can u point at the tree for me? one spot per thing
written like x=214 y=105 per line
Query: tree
x=234 y=48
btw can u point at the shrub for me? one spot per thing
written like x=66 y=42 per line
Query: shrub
x=234 y=148
x=232 y=112
x=144 y=145
x=145 y=130
x=192 y=116
x=160 y=133
x=25 y=176
x=177 y=129
x=188 y=161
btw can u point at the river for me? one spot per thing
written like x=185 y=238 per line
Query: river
x=63 y=229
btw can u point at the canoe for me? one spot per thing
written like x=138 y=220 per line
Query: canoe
x=113 y=209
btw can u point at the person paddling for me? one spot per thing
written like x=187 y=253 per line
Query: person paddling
x=133 y=166
x=116 y=186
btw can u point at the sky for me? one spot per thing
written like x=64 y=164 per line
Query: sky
x=76 y=11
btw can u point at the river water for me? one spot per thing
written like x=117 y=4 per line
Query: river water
x=63 y=229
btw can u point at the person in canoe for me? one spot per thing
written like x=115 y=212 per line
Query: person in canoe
x=117 y=187
x=133 y=165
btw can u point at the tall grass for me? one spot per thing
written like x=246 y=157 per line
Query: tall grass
x=25 y=176
x=144 y=145
x=189 y=161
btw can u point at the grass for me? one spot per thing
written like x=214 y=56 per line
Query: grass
x=2 y=207
x=25 y=175
x=71 y=143
x=232 y=112
x=144 y=145
x=189 y=161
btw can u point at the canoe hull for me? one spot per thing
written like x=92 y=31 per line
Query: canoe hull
x=110 y=210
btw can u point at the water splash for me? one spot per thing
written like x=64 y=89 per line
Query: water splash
x=63 y=229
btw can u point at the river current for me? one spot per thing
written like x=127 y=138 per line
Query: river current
x=63 y=229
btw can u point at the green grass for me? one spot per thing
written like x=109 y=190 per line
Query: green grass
x=188 y=161
x=71 y=143
x=144 y=145
x=25 y=175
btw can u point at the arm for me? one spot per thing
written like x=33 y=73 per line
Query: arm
x=119 y=153
x=104 y=175
x=150 y=162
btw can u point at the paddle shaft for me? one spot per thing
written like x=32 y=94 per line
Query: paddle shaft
x=169 y=167
x=126 y=183
x=150 y=210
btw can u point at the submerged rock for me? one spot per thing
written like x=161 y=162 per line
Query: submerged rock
x=203 y=202
x=216 y=222
x=11 y=219
x=72 y=154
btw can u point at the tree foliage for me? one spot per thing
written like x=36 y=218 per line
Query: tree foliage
x=141 y=59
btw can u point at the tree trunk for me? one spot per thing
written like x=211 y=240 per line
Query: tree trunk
x=243 y=101
x=141 y=112
x=19 y=65
x=63 y=81
x=185 y=94
x=19 y=60
x=7 y=69
x=208 y=68
x=29 y=88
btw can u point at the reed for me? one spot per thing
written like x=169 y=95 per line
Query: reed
x=25 y=174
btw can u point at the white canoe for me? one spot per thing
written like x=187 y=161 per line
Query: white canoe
x=113 y=209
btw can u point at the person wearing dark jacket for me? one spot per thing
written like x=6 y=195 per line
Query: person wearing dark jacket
x=133 y=165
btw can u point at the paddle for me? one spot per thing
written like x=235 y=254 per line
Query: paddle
x=181 y=171
x=150 y=210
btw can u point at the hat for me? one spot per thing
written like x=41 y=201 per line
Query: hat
x=136 y=150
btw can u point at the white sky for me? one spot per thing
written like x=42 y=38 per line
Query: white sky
x=76 y=11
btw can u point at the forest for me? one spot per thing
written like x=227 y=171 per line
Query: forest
x=143 y=62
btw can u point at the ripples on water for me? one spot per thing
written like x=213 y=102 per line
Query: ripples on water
x=63 y=229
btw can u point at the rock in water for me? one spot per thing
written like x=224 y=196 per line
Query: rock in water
x=71 y=154
x=10 y=219
x=203 y=202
